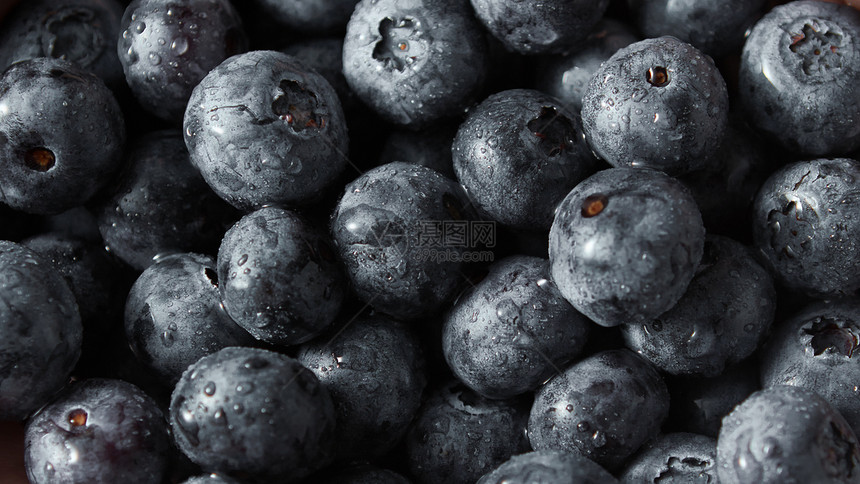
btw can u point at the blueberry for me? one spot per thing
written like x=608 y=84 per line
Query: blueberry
x=318 y=16
x=798 y=80
x=83 y=32
x=716 y=28
x=414 y=61
x=659 y=103
x=458 y=436
x=254 y=412
x=786 y=434
x=174 y=317
x=98 y=431
x=384 y=229
x=625 y=244
x=374 y=370
x=325 y=55
x=720 y=320
x=278 y=277
x=40 y=331
x=168 y=46
x=679 y=457
x=566 y=77
x=814 y=349
x=61 y=135
x=517 y=154
x=161 y=205
x=513 y=330
x=553 y=26
x=603 y=407
x=804 y=226
x=263 y=128
x=548 y=467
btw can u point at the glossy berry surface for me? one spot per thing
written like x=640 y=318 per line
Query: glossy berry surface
x=625 y=245
x=678 y=457
x=168 y=46
x=509 y=333
x=263 y=128
x=49 y=161
x=253 y=412
x=548 y=467
x=658 y=103
x=518 y=154
x=40 y=331
x=99 y=431
x=278 y=277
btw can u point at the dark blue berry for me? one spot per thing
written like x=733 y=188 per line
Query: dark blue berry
x=548 y=467
x=679 y=457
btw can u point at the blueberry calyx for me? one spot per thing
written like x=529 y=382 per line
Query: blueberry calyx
x=72 y=34
x=593 y=205
x=399 y=45
x=77 y=417
x=555 y=131
x=829 y=333
x=658 y=76
x=39 y=159
x=297 y=106
x=818 y=47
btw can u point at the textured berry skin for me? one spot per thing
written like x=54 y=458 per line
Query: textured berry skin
x=50 y=160
x=604 y=407
x=255 y=412
x=40 y=331
x=657 y=103
x=815 y=349
x=803 y=224
x=374 y=371
x=566 y=77
x=278 y=277
x=83 y=32
x=720 y=320
x=518 y=154
x=799 y=81
x=168 y=46
x=310 y=17
x=787 y=435
x=553 y=26
x=633 y=259
x=716 y=28
x=98 y=431
x=173 y=315
x=161 y=205
x=459 y=436
x=378 y=233
x=263 y=128
x=679 y=457
x=548 y=467
x=509 y=334
x=414 y=61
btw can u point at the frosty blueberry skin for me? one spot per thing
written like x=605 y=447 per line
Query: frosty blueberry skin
x=61 y=136
x=254 y=412
x=625 y=244
x=720 y=320
x=458 y=436
x=603 y=407
x=263 y=128
x=161 y=204
x=518 y=154
x=380 y=230
x=799 y=82
x=554 y=26
x=173 y=315
x=548 y=467
x=658 y=103
x=278 y=277
x=83 y=32
x=374 y=370
x=679 y=457
x=414 y=61
x=40 y=331
x=803 y=224
x=787 y=435
x=512 y=331
x=168 y=46
x=815 y=349
x=98 y=431
x=716 y=28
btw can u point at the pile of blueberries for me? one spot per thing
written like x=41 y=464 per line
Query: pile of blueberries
x=456 y=241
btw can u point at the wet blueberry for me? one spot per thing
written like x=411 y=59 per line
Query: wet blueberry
x=625 y=244
x=548 y=467
x=263 y=128
x=679 y=457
